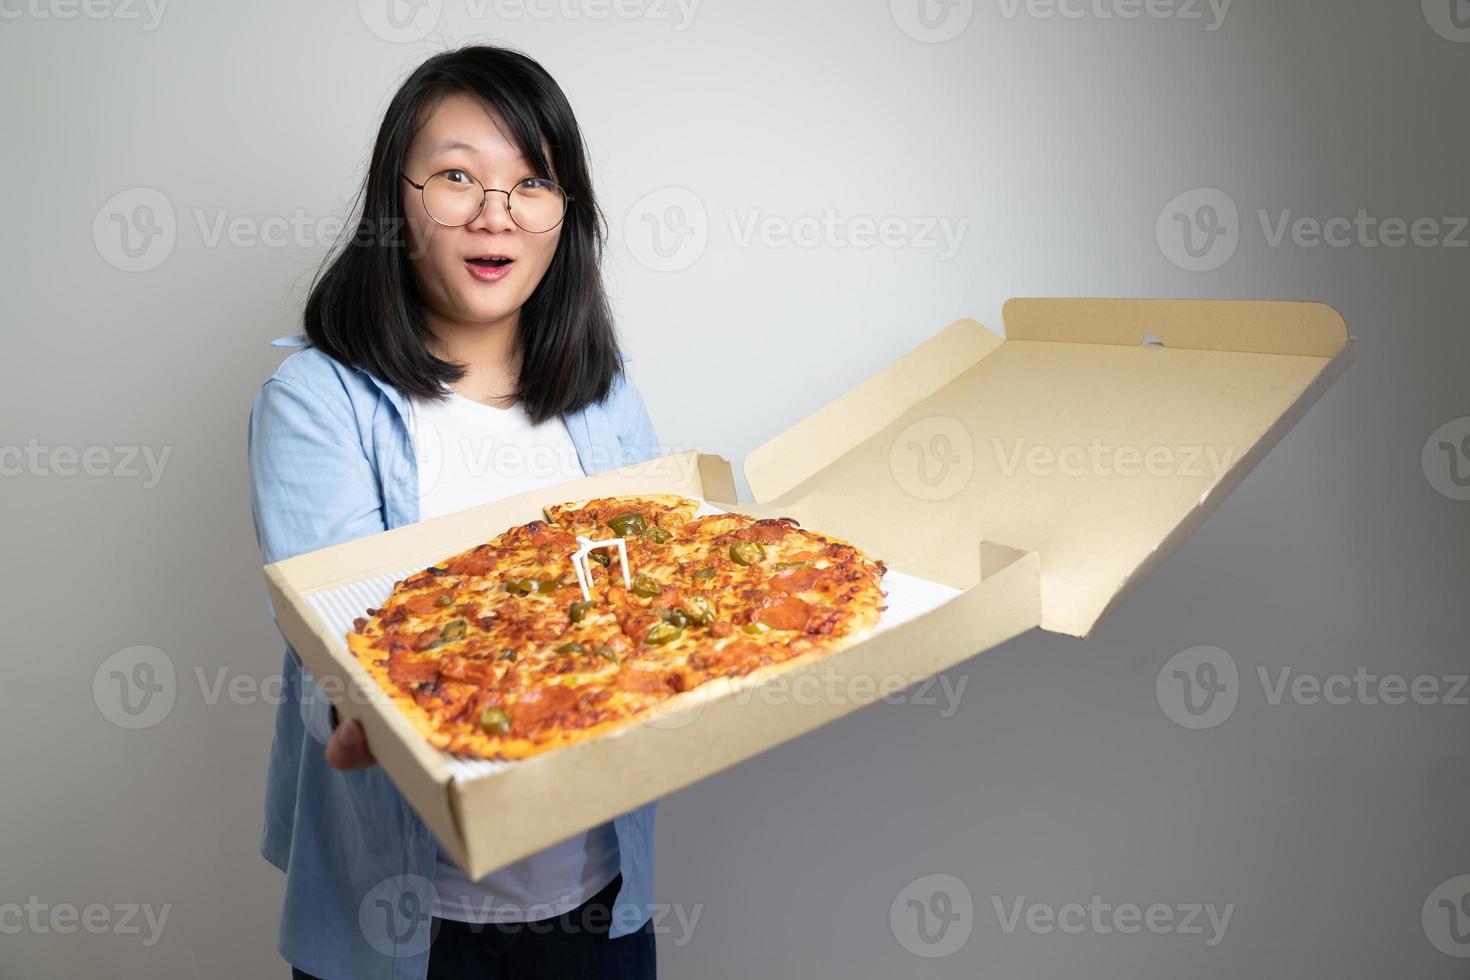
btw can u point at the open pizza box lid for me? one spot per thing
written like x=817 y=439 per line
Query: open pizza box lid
x=1042 y=477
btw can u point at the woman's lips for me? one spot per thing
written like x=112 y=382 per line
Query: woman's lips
x=485 y=272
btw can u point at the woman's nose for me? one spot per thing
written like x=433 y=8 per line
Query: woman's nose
x=495 y=215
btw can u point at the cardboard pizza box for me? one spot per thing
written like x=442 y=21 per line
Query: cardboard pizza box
x=1038 y=478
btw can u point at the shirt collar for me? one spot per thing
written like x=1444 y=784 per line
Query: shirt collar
x=391 y=393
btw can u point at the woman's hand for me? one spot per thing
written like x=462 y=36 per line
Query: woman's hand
x=348 y=748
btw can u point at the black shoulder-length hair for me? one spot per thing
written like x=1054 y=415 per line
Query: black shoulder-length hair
x=364 y=307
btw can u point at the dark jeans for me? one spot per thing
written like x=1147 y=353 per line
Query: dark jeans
x=572 y=946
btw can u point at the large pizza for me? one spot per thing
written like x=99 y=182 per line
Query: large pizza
x=496 y=653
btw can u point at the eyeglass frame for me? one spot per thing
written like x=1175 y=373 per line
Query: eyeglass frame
x=566 y=198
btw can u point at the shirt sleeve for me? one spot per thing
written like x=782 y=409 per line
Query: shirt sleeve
x=635 y=432
x=311 y=486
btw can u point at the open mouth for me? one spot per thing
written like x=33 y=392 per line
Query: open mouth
x=488 y=268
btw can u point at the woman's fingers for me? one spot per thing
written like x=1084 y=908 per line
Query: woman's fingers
x=348 y=748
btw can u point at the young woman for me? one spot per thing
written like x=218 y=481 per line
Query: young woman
x=459 y=349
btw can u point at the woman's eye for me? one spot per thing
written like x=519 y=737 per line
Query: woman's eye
x=457 y=176
x=535 y=183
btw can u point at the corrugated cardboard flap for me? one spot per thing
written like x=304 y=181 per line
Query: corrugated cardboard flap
x=1099 y=434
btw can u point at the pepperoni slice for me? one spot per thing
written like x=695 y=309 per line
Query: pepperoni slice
x=796 y=579
x=539 y=705
x=427 y=602
x=478 y=673
x=471 y=564
x=634 y=679
x=409 y=672
x=765 y=530
x=782 y=611
x=739 y=656
x=547 y=534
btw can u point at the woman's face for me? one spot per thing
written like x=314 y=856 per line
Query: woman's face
x=462 y=135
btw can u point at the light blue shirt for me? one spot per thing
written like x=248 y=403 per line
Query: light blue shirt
x=331 y=459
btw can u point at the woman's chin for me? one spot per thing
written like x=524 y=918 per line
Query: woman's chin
x=470 y=311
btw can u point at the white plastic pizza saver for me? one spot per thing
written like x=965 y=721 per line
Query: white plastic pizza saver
x=579 y=562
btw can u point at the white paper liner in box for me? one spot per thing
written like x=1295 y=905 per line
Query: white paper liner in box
x=908 y=597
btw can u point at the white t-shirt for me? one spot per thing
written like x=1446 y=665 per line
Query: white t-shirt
x=470 y=453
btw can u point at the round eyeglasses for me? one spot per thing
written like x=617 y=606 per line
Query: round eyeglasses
x=454 y=198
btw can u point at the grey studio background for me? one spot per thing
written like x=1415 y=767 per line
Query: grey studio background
x=172 y=173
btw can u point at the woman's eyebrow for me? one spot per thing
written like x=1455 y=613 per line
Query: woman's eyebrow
x=453 y=144
x=448 y=145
